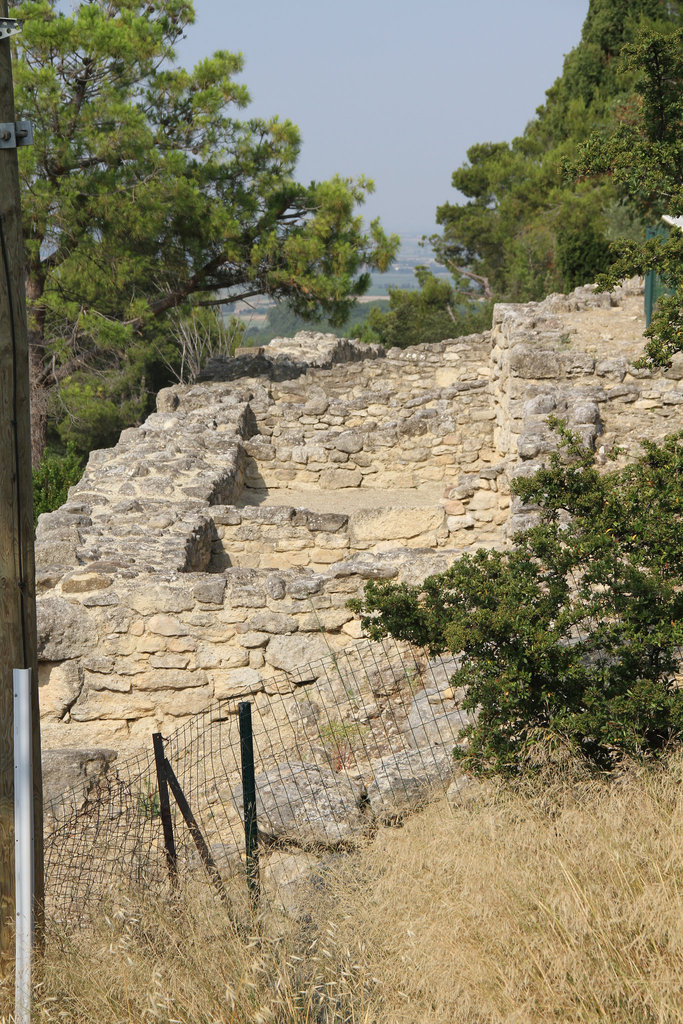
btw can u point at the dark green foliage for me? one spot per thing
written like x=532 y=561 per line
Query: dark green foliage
x=642 y=158
x=145 y=191
x=573 y=635
x=52 y=479
x=524 y=227
x=430 y=314
x=582 y=253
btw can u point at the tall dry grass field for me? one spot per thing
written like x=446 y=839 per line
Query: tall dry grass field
x=558 y=903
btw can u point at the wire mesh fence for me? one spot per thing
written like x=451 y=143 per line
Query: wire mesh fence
x=358 y=738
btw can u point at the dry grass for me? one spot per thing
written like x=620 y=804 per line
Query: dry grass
x=562 y=903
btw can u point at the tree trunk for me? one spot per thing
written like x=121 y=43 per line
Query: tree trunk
x=39 y=403
x=36 y=353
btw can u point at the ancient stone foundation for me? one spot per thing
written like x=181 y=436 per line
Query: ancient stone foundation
x=220 y=541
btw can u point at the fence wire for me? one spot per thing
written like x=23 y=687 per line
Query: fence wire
x=357 y=738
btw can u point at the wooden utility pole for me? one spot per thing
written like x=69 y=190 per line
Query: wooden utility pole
x=18 y=643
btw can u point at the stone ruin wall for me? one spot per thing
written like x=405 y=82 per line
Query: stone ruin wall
x=219 y=542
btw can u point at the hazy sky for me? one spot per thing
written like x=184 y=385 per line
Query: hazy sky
x=393 y=89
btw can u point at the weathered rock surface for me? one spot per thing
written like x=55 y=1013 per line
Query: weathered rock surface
x=305 y=805
x=69 y=777
x=404 y=780
x=435 y=719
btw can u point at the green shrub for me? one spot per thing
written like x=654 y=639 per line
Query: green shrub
x=575 y=634
x=53 y=478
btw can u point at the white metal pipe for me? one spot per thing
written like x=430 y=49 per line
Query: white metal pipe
x=23 y=842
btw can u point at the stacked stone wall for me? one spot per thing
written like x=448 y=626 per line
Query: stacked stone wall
x=220 y=541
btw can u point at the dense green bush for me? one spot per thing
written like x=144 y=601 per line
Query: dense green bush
x=573 y=635
x=433 y=312
x=53 y=478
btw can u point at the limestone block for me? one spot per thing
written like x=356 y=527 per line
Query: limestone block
x=435 y=720
x=59 y=687
x=647 y=403
x=170 y=660
x=578 y=364
x=303 y=587
x=69 y=775
x=57 y=548
x=225 y=515
x=532 y=444
x=170 y=679
x=238 y=682
x=611 y=368
x=96 y=663
x=332 y=541
x=306 y=804
x=83 y=583
x=253 y=638
x=256 y=658
x=483 y=500
x=394 y=523
x=210 y=591
x=296 y=543
x=317 y=406
x=65 y=630
x=159 y=598
x=321 y=557
x=326 y=522
x=179 y=703
x=403 y=781
x=149 y=644
x=166 y=625
x=353 y=629
x=273 y=622
x=534 y=364
x=97 y=705
x=286 y=559
x=293 y=654
x=675 y=371
x=626 y=392
x=221 y=655
x=180 y=644
x=540 y=405
x=339 y=458
x=275 y=586
x=334 y=478
x=101 y=599
x=349 y=441
x=112 y=682
x=585 y=412
x=330 y=620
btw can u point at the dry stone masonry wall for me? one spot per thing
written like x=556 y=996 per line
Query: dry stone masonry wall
x=220 y=541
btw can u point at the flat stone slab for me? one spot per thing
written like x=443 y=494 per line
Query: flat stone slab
x=403 y=781
x=69 y=774
x=345 y=499
x=435 y=720
x=307 y=805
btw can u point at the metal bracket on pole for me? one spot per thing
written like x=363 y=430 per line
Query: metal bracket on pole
x=14 y=134
x=9 y=27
